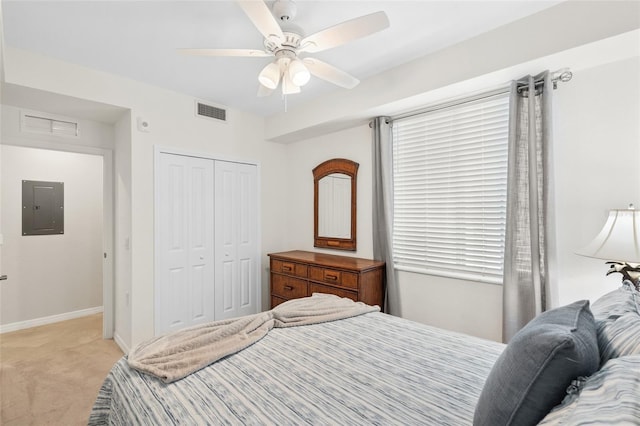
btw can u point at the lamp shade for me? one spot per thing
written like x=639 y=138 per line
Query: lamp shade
x=298 y=73
x=619 y=239
x=288 y=87
x=269 y=77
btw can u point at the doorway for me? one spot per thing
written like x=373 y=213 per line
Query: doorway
x=56 y=277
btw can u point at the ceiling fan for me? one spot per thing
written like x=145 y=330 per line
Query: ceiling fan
x=286 y=42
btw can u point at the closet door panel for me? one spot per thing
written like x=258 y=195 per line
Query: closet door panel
x=184 y=262
x=225 y=237
x=236 y=245
x=200 y=227
x=173 y=257
x=226 y=289
x=247 y=239
x=175 y=303
x=246 y=296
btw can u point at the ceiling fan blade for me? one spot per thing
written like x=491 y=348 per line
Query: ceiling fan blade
x=330 y=73
x=225 y=52
x=344 y=32
x=259 y=13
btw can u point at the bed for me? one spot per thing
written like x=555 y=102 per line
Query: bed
x=372 y=368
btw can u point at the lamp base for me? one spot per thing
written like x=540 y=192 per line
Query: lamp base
x=628 y=271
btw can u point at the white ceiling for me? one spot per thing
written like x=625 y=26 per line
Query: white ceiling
x=137 y=39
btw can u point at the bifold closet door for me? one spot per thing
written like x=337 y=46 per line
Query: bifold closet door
x=236 y=247
x=185 y=262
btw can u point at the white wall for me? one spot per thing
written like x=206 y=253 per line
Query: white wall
x=596 y=143
x=597 y=150
x=353 y=144
x=173 y=124
x=51 y=274
x=122 y=196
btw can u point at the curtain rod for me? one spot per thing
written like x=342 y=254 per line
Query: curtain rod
x=454 y=102
x=564 y=75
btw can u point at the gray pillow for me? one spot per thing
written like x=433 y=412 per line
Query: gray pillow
x=531 y=375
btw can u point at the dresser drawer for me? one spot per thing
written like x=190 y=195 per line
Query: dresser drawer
x=295 y=274
x=291 y=268
x=288 y=287
x=319 y=288
x=333 y=276
x=275 y=301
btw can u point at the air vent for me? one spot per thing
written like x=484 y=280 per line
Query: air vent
x=210 y=111
x=36 y=123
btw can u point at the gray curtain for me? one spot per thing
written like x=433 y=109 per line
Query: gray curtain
x=382 y=159
x=525 y=260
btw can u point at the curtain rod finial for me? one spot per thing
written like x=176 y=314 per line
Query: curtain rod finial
x=563 y=74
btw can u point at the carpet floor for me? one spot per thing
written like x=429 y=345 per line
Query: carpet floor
x=50 y=375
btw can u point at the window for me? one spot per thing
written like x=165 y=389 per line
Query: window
x=450 y=189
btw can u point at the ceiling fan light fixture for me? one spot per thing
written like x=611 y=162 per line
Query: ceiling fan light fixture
x=288 y=86
x=269 y=77
x=284 y=40
x=298 y=73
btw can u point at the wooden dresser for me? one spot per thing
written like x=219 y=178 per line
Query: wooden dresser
x=298 y=273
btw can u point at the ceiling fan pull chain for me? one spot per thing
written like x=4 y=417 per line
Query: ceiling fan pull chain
x=284 y=93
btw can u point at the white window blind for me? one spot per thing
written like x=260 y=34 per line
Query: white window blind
x=450 y=186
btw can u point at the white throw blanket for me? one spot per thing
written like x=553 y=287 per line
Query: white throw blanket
x=174 y=356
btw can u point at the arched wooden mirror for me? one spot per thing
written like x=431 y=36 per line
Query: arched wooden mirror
x=334 y=209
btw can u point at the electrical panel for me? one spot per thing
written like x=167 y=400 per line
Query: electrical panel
x=42 y=207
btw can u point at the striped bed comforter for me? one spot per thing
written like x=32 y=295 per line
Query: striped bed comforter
x=369 y=369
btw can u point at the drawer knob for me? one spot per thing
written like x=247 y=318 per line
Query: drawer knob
x=286 y=268
x=331 y=277
x=288 y=287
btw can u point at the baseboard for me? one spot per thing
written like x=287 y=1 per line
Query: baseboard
x=20 y=325
x=123 y=346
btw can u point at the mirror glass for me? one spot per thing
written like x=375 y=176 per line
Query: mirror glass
x=335 y=204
